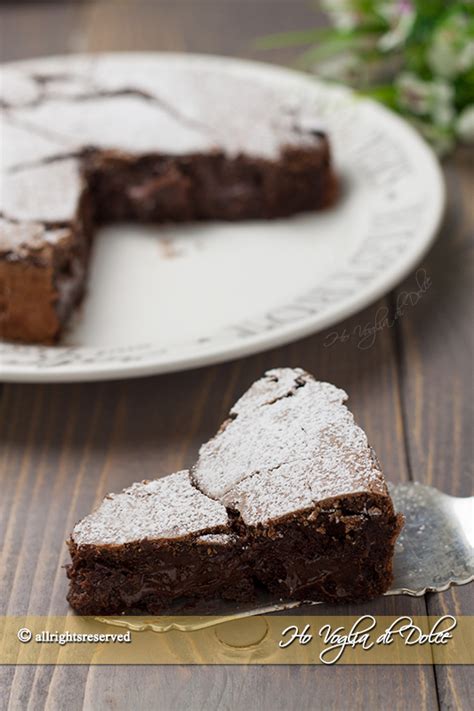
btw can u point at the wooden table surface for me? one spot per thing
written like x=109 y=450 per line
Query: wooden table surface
x=65 y=446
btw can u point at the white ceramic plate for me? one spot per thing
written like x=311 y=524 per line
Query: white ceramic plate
x=167 y=298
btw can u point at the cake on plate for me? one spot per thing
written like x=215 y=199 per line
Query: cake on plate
x=93 y=140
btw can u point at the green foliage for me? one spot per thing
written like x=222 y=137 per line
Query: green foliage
x=416 y=56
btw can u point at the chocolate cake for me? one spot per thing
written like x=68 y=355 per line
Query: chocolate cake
x=100 y=139
x=153 y=543
x=288 y=496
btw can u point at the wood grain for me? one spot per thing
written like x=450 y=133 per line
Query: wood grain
x=65 y=446
x=228 y=27
x=33 y=30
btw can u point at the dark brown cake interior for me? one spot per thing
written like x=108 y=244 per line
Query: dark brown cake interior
x=159 y=188
x=149 y=576
x=341 y=552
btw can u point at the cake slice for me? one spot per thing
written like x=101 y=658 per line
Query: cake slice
x=287 y=496
x=305 y=488
x=155 y=542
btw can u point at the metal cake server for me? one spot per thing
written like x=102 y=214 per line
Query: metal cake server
x=434 y=551
x=435 y=548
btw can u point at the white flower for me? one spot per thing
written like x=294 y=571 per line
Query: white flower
x=342 y=13
x=345 y=67
x=400 y=15
x=442 y=103
x=452 y=49
x=465 y=124
x=413 y=93
x=426 y=98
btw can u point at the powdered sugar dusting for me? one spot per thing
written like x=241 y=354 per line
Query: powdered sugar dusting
x=21 y=146
x=23 y=238
x=17 y=89
x=53 y=109
x=275 y=385
x=168 y=507
x=43 y=193
x=144 y=126
x=290 y=444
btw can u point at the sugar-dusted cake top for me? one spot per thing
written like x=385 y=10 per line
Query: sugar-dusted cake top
x=54 y=110
x=289 y=443
x=163 y=508
x=29 y=237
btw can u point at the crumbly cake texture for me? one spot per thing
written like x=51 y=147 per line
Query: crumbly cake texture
x=100 y=139
x=288 y=495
